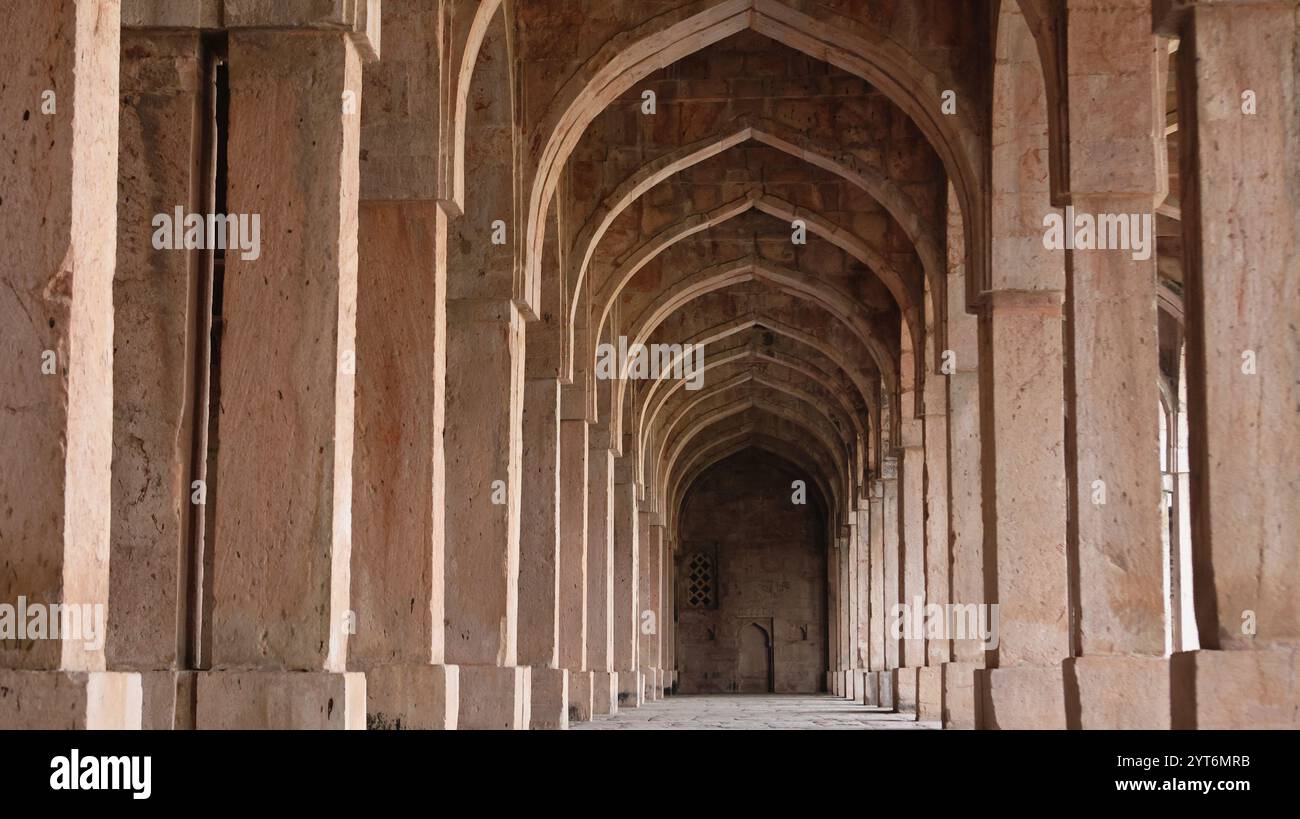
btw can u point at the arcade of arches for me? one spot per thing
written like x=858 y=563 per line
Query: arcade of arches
x=956 y=350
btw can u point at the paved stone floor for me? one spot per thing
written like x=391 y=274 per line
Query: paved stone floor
x=735 y=712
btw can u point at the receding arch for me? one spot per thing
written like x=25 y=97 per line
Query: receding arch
x=845 y=165
x=906 y=294
x=667 y=38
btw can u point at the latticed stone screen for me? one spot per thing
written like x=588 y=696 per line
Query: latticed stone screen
x=701 y=582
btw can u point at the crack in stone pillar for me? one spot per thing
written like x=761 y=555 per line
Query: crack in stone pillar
x=282 y=525
x=157 y=405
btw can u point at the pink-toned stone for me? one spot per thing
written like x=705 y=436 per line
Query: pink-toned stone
x=1023 y=697
x=413 y=697
x=316 y=700
x=66 y=701
x=549 y=708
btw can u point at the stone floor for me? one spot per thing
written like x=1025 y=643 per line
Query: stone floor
x=754 y=712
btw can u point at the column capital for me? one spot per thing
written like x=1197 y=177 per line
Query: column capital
x=1038 y=302
x=1168 y=16
x=359 y=20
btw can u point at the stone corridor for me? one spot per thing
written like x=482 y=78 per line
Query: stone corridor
x=536 y=364
x=722 y=712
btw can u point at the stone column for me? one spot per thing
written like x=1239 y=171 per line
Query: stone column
x=282 y=538
x=399 y=473
x=539 y=554
x=160 y=363
x=938 y=651
x=1240 y=131
x=626 y=618
x=834 y=679
x=1022 y=403
x=399 y=490
x=877 y=621
x=1112 y=451
x=600 y=572
x=650 y=538
x=485 y=359
x=1022 y=435
x=669 y=622
x=965 y=505
x=573 y=556
x=892 y=584
x=911 y=512
x=60 y=103
x=862 y=592
x=850 y=619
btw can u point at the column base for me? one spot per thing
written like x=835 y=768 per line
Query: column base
x=868 y=689
x=412 y=697
x=550 y=699
x=929 y=693
x=672 y=680
x=652 y=688
x=604 y=693
x=284 y=700
x=494 y=698
x=1114 y=693
x=1250 y=688
x=71 y=700
x=905 y=690
x=836 y=685
x=629 y=689
x=581 y=685
x=851 y=684
x=1021 y=697
x=961 y=696
x=168 y=700
x=887 y=683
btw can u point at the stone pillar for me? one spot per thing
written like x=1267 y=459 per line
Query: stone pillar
x=626 y=619
x=1022 y=435
x=877 y=620
x=1022 y=402
x=573 y=560
x=1112 y=437
x=833 y=610
x=650 y=538
x=160 y=331
x=60 y=104
x=485 y=387
x=282 y=536
x=399 y=489
x=399 y=475
x=849 y=640
x=600 y=573
x=892 y=585
x=539 y=554
x=911 y=500
x=669 y=623
x=937 y=566
x=863 y=586
x=965 y=506
x=1241 y=157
